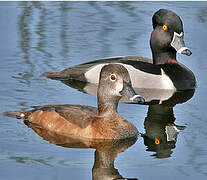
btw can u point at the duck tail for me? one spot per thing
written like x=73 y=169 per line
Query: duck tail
x=54 y=75
x=17 y=114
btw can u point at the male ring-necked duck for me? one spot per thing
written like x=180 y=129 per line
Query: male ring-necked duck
x=86 y=121
x=162 y=72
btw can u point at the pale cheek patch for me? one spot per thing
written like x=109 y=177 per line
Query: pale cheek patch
x=119 y=86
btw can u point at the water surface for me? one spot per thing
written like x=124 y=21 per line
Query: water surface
x=45 y=36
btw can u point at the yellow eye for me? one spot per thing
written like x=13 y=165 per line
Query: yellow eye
x=164 y=27
x=157 y=141
x=113 y=77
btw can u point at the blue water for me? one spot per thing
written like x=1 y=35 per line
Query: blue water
x=45 y=36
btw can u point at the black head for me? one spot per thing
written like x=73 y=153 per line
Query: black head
x=167 y=36
x=168 y=18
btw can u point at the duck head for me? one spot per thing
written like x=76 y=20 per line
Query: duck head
x=167 y=37
x=114 y=83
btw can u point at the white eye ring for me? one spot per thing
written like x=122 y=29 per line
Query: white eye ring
x=113 y=77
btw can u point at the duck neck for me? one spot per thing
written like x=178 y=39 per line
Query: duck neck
x=107 y=107
x=104 y=159
x=160 y=113
x=163 y=57
x=103 y=167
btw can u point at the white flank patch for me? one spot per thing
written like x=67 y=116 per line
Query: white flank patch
x=93 y=74
x=167 y=81
x=139 y=79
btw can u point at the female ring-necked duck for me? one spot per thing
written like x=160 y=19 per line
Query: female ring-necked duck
x=86 y=121
x=162 y=72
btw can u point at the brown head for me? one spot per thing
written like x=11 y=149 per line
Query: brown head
x=115 y=82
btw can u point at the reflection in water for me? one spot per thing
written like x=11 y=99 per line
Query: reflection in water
x=33 y=31
x=161 y=131
x=106 y=28
x=25 y=41
x=104 y=156
x=64 y=8
x=24 y=29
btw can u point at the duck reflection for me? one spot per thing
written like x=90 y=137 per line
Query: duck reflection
x=161 y=131
x=105 y=154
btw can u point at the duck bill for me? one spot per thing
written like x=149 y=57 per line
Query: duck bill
x=129 y=95
x=179 y=45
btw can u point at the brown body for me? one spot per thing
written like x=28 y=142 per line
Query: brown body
x=81 y=121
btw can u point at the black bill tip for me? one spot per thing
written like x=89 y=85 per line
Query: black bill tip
x=186 y=52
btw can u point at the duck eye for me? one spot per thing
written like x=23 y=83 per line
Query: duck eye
x=157 y=141
x=113 y=77
x=164 y=27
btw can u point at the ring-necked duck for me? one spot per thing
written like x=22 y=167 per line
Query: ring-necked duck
x=86 y=121
x=162 y=72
